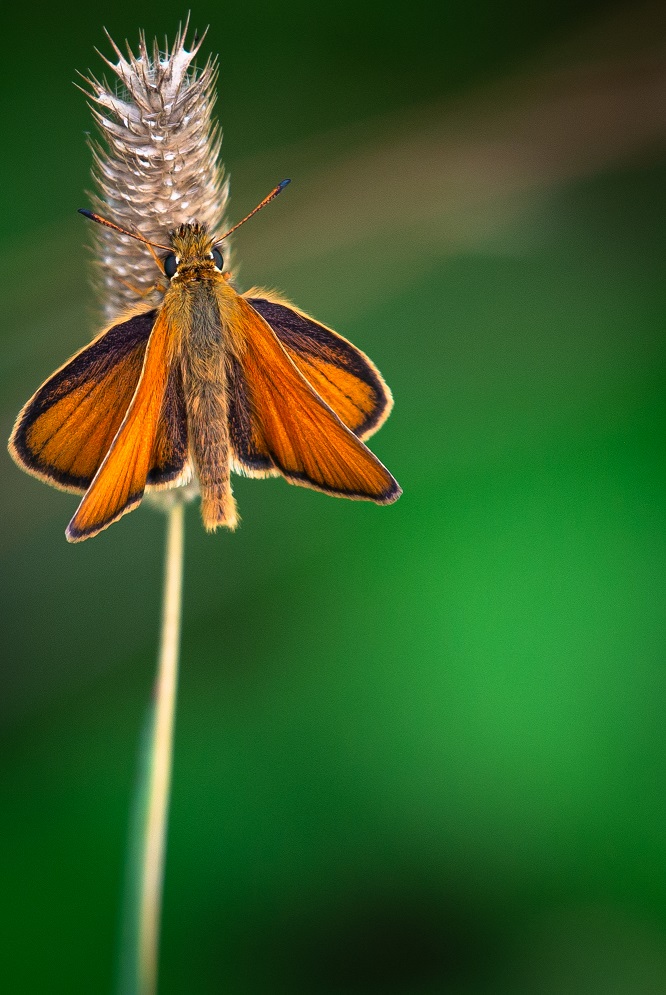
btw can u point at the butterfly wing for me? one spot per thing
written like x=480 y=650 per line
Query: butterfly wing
x=250 y=456
x=340 y=373
x=170 y=465
x=121 y=479
x=65 y=430
x=278 y=422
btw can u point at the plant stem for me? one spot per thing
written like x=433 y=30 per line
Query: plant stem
x=141 y=925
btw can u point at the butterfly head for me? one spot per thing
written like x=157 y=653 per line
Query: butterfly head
x=194 y=253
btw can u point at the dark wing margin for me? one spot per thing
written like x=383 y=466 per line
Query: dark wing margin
x=343 y=376
x=65 y=430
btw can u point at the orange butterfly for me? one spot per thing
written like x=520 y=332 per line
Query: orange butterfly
x=207 y=382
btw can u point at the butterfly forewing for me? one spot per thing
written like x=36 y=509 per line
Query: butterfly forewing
x=120 y=482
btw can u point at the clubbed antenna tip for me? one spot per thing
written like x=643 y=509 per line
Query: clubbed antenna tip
x=124 y=231
x=271 y=196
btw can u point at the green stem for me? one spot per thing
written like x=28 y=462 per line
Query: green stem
x=143 y=899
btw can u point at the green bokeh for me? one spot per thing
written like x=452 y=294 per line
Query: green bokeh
x=420 y=749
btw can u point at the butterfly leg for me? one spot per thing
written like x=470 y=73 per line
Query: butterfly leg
x=142 y=294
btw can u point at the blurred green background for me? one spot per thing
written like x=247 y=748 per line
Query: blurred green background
x=419 y=749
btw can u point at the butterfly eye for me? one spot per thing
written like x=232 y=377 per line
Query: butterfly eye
x=170 y=265
x=217 y=258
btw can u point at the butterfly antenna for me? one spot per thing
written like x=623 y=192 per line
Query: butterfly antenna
x=132 y=234
x=272 y=195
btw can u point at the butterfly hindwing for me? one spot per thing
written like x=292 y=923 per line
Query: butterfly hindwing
x=169 y=463
x=250 y=456
x=282 y=424
x=340 y=373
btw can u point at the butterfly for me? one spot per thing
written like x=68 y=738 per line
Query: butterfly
x=208 y=382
